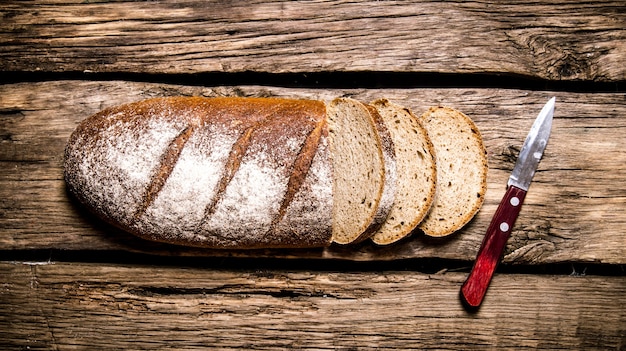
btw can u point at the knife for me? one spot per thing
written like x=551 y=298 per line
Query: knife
x=490 y=252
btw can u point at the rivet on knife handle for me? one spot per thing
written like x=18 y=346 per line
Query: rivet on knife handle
x=475 y=287
x=492 y=247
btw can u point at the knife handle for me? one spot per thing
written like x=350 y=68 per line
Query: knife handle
x=490 y=252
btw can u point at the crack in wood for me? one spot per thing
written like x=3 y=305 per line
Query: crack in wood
x=11 y=111
x=232 y=289
x=34 y=295
x=530 y=253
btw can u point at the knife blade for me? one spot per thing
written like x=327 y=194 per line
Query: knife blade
x=499 y=230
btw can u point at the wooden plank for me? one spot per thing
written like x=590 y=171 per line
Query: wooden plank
x=94 y=306
x=563 y=40
x=575 y=210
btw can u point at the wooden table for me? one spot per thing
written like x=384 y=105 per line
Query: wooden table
x=68 y=281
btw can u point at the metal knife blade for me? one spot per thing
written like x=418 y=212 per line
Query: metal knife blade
x=490 y=252
x=533 y=148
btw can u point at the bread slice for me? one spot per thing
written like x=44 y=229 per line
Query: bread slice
x=416 y=172
x=389 y=187
x=359 y=170
x=461 y=170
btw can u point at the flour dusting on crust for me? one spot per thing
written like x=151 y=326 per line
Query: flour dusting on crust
x=113 y=167
x=314 y=197
x=179 y=207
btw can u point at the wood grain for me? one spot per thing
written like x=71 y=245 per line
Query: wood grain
x=84 y=306
x=563 y=40
x=575 y=209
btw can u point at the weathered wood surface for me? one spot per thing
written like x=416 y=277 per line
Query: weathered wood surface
x=112 y=307
x=562 y=40
x=575 y=210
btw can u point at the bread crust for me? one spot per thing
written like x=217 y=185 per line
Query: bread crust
x=188 y=171
x=389 y=184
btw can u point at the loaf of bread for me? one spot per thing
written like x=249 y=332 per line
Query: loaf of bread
x=231 y=172
x=244 y=173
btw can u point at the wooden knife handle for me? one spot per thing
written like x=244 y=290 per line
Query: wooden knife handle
x=475 y=287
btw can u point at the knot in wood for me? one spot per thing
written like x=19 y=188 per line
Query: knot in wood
x=570 y=67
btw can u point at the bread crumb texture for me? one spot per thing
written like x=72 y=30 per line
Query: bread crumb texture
x=416 y=172
x=461 y=170
x=359 y=169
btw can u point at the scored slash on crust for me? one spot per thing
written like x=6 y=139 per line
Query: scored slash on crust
x=230 y=169
x=300 y=169
x=166 y=166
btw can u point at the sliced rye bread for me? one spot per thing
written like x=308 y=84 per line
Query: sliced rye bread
x=359 y=170
x=416 y=172
x=461 y=170
x=243 y=173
